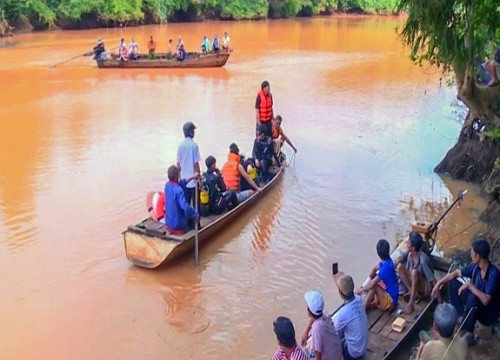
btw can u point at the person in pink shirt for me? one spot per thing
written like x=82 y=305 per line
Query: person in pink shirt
x=325 y=341
x=288 y=349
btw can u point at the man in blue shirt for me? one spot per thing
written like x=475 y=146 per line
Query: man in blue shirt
x=177 y=209
x=478 y=299
x=383 y=286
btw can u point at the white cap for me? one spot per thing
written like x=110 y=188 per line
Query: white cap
x=314 y=301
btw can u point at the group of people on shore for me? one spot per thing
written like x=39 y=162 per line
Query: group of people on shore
x=224 y=189
x=345 y=335
x=178 y=52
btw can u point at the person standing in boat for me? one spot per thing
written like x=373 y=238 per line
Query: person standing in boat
x=288 y=349
x=120 y=45
x=181 y=54
x=478 y=299
x=151 y=48
x=188 y=159
x=418 y=275
x=264 y=108
x=216 y=44
x=170 y=49
x=382 y=287
x=133 y=50
x=205 y=45
x=177 y=209
x=232 y=171
x=445 y=320
x=124 y=52
x=225 y=42
x=180 y=43
x=99 y=50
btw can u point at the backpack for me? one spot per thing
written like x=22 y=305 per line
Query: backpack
x=217 y=202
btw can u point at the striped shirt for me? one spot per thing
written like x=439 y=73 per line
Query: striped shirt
x=296 y=354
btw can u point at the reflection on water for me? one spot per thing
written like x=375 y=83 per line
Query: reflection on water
x=80 y=147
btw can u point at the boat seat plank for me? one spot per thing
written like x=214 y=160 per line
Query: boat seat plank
x=373 y=315
x=381 y=323
x=380 y=344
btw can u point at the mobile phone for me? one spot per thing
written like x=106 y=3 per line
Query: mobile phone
x=335 y=268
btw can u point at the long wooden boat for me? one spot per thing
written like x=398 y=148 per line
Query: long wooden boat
x=194 y=60
x=384 y=342
x=149 y=244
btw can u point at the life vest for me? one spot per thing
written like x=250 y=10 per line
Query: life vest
x=151 y=46
x=276 y=132
x=155 y=203
x=265 y=106
x=231 y=173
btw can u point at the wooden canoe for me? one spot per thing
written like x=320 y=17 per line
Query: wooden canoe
x=384 y=342
x=195 y=60
x=149 y=245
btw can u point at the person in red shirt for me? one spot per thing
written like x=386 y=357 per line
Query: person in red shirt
x=151 y=48
x=288 y=349
x=264 y=108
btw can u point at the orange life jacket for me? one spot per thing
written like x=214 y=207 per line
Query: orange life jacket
x=151 y=46
x=230 y=172
x=265 y=106
x=155 y=202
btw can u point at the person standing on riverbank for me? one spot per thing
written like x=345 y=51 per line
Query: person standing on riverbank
x=264 y=108
x=478 y=299
x=151 y=48
x=188 y=159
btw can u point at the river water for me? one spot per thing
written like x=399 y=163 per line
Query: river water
x=80 y=147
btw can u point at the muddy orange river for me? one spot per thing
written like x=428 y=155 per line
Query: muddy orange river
x=80 y=147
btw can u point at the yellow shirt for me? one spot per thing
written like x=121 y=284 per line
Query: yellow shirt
x=435 y=349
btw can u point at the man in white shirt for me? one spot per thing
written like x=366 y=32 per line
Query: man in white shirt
x=188 y=158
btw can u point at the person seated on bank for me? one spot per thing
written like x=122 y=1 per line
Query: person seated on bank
x=325 y=341
x=493 y=68
x=151 y=48
x=232 y=171
x=444 y=348
x=418 y=275
x=205 y=45
x=170 y=49
x=383 y=286
x=287 y=345
x=478 y=299
x=263 y=153
x=350 y=320
x=99 y=50
x=133 y=50
x=177 y=209
x=181 y=53
x=279 y=136
x=219 y=198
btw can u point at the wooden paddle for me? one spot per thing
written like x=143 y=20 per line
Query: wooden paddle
x=88 y=53
x=196 y=239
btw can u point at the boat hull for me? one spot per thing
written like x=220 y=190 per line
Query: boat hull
x=161 y=62
x=150 y=251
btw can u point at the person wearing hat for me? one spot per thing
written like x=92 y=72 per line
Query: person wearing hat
x=188 y=159
x=232 y=171
x=99 y=50
x=264 y=107
x=287 y=345
x=418 y=275
x=325 y=341
x=350 y=320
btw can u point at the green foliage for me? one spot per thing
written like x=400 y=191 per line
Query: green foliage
x=369 y=6
x=450 y=33
x=284 y=8
x=494 y=134
x=243 y=9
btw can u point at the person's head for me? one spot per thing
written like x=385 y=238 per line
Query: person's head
x=151 y=38
x=383 y=249
x=315 y=303
x=122 y=40
x=215 y=36
x=278 y=119
x=173 y=173
x=415 y=241
x=233 y=148
x=99 y=39
x=265 y=87
x=225 y=33
x=445 y=320
x=480 y=249
x=170 y=41
x=188 y=129
x=285 y=333
x=205 y=36
x=261 y=132
x=346 y=287
x=210 y=162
